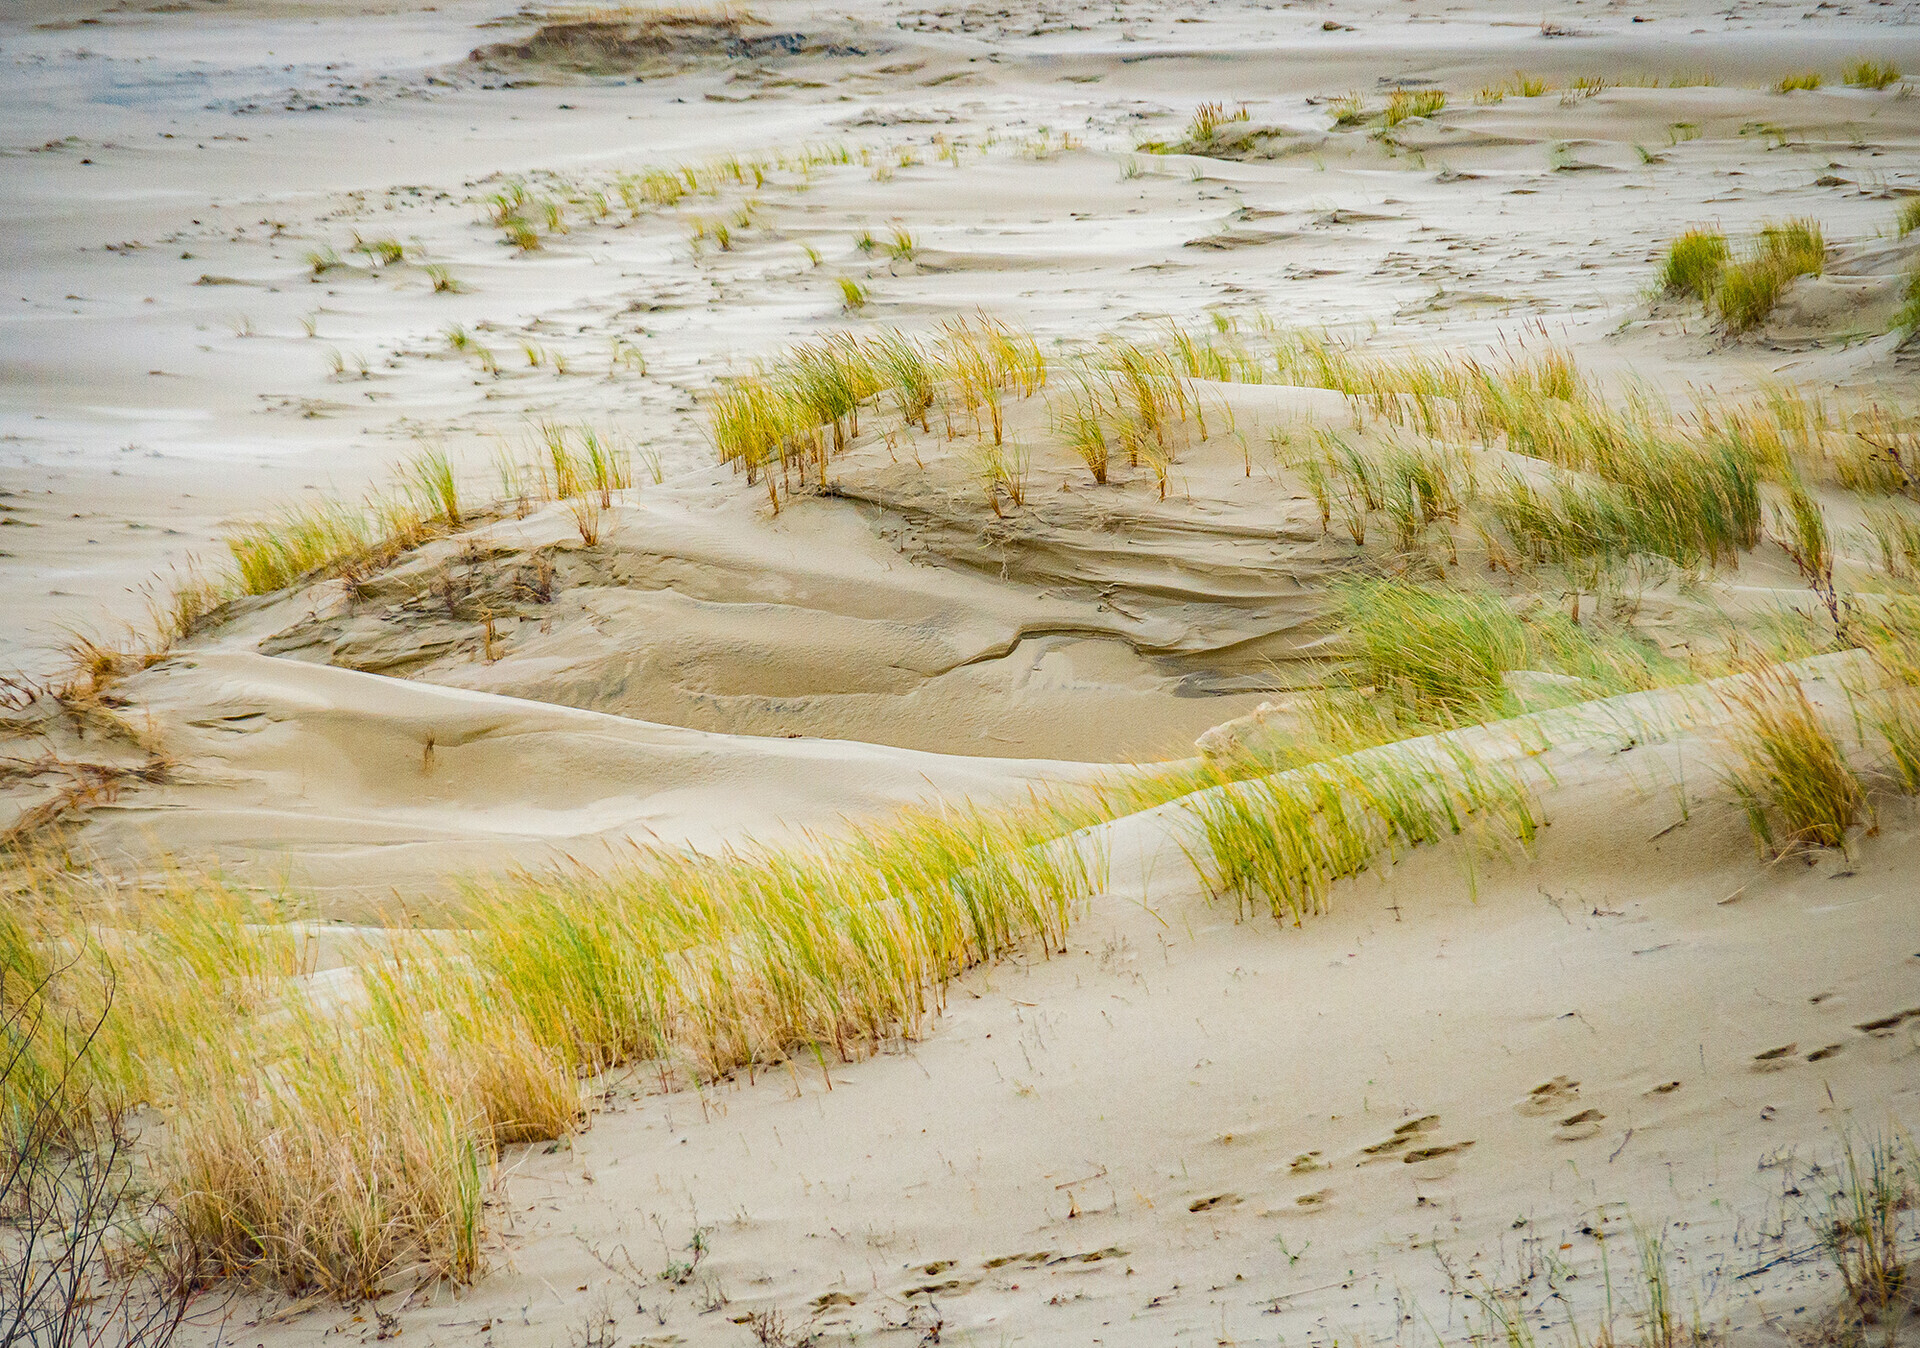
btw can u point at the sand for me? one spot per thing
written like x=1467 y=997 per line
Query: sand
x=1157 y=1135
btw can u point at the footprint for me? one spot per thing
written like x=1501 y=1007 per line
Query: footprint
x=1314 y=1201
x=1821 y=1054
x=1091 y=1257
x=1306 y=1161
x=1379 y=1149
x=1549 y=1097
x=1665 y=1088
x=1886 y=1025
x=1217 y=1201
x=1431 y=1153
x=950 y=1285
x=1578 y=1127
x=1774 y=1058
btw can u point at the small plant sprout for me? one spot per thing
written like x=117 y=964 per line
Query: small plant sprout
x=310 y=324
x=1804 y=81
x=865 y=241
x=336 y=363
x=902 y=246
x=458 y=338
x=520 y=234
x=853 y=295
x=243 y=326
x=534 y=353
x=1872 y=74
x=812 y=254
x=626 y=356
x=431 y=477
x=587 y=514
x=444 y=282
x=1907 y=219
x=322 y=260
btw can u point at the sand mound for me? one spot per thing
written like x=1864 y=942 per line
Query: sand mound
x=359 y=783
x=1860 y=293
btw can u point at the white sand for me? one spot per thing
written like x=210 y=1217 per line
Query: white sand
x=1143 y=1095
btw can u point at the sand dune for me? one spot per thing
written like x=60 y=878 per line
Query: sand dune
x=262 y=252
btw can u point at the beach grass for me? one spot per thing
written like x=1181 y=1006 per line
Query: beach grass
x=1280 y=842
x=1693 y=263
x=1788 y=771
x=333 y=1142
x=1872 y=74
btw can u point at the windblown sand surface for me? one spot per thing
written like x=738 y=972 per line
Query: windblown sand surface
x=1189 y=1124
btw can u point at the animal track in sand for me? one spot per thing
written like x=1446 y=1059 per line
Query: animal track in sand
x=1038 y=1257
x=1549 y=1097
x=1821 y=1054
x=1226 y=1200
x=950 y=1285
x=1402 y=1136
x=1419 y=1154
x=1886 y=1025
x=1578 y=1127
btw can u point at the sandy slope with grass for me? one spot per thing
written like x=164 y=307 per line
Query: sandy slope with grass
x=623 y=560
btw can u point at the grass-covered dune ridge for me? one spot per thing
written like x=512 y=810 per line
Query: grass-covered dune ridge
x=334 y=1130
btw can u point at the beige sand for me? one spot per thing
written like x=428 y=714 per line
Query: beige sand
x=1157 y=1135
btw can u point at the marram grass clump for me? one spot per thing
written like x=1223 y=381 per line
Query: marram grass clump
x=1280 y=842
x=332 y=1142
x=1787 y=769
x=1693 y=263
x=1748 y=290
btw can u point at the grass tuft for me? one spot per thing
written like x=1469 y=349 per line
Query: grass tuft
x=1694 y=261
x=1208 y=118
x=1748 y=290
x=1280 y=842
x=1787 y=769
x=1806 y=80
x=1406 y=104
x=1872 y=74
